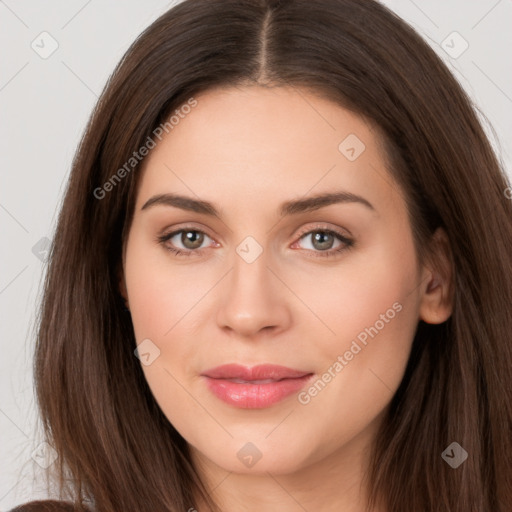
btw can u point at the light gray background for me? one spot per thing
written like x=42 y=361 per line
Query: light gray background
x=45 y=104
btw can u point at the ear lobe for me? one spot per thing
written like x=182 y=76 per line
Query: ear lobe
x=437 y=297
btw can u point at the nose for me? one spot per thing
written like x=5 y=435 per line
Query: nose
x=253 y=299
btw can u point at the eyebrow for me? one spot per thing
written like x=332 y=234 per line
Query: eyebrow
x=291 y=207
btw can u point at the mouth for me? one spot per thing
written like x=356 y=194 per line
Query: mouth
x=264 y=381
x=254 y=388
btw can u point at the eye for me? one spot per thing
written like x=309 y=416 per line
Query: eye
x=191 y=240
x=323 y=240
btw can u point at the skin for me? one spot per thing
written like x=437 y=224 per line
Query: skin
x=247 y=150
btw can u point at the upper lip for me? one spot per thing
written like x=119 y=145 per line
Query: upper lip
x=259 y=372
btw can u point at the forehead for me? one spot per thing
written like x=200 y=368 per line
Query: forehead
x=253 y=142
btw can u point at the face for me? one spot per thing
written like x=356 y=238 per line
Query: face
x=331 y=289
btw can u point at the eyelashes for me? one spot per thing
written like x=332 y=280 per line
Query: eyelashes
x=345 y=243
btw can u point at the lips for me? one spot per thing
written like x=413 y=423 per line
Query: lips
x=270 y=372
x=257 y=387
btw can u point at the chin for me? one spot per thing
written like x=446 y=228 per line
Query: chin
x=257 y=457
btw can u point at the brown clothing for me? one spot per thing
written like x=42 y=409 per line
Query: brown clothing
x=46 y=506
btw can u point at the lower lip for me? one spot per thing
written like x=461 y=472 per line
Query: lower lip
x=255 y=396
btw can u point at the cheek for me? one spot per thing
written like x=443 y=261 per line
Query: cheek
x=161 y=295
x=162 y=298
x=370 y=305
x=352 y=296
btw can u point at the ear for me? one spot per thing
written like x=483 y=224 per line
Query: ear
x=436 y=303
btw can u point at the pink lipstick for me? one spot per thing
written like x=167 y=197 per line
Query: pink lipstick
x=254 y=388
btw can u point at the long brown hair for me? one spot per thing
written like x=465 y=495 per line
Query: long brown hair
x=116 y=447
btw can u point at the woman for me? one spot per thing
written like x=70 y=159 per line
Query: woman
x=335 y=334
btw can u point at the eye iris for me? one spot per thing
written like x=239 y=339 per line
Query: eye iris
x=320 y=236
x=195 y=237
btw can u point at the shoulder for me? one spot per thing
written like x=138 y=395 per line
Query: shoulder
x=47 y=506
